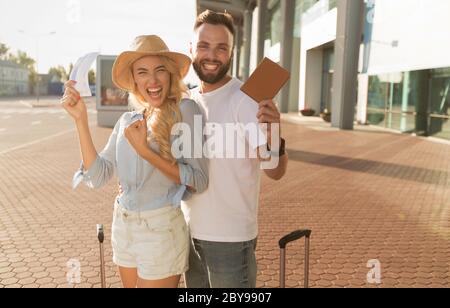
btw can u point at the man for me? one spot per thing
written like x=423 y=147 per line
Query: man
x=223 y=219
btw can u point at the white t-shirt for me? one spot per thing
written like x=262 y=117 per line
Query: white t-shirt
x=228 y=210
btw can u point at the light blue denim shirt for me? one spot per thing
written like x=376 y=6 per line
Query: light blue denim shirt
x=145 y=187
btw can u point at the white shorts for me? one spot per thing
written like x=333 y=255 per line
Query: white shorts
x=156 y=242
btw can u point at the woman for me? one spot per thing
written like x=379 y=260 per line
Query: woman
x=149 y=235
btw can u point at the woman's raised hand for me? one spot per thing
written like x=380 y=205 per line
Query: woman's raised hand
x=136 y=135
x=73 y=103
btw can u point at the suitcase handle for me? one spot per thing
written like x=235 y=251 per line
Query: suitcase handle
x=294 y=236
x=100 y=233
x=101 y=238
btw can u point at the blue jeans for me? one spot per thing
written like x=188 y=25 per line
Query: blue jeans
x=221 y=265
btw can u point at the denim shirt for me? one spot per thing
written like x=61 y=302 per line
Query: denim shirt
x=145 y=187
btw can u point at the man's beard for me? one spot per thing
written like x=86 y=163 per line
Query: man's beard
x=210 y=78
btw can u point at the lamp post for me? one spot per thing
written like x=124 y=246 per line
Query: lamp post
x=37 y=37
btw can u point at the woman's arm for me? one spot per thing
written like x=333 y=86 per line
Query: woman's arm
x=194 y=171
x=76 y=108
x=167 y=168
x=88 y=151
x=100 y=167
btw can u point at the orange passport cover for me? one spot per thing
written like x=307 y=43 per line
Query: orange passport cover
x=266 y=81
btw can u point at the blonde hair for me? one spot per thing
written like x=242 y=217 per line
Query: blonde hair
x=168 y=114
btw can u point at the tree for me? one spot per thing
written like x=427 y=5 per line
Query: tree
x=91 y=74
x=59 y=72
x=91 y=77
x=3 y=51
x=69 y=70
x=22 y=59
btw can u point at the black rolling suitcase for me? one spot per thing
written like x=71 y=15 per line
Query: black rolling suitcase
x=294 y=236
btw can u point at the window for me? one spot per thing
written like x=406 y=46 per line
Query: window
x=440 y=103
x=416 y=101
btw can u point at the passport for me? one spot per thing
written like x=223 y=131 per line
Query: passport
x=266 y=81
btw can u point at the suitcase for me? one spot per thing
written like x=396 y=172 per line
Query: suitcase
x=294 y=236
x=101 y=238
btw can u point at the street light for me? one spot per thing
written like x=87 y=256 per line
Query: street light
x=393 y=44
x=37 y=36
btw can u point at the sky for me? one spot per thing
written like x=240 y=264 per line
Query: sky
x=83 y=26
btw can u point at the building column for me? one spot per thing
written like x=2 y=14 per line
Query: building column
x=348 y=41
x=247 y=41
x=288 y=13
x=262 y=12
x=237 y=51
x=363 y=98
x=405 y=101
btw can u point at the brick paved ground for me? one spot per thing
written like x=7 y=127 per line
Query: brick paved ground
x=366 y=194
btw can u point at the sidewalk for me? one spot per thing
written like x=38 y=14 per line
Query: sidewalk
x=32 y=102
x=365 y=194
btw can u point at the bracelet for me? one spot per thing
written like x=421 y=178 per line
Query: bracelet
x=282 y=147
x=282 y=150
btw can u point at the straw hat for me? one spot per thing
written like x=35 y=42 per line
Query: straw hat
x=146 y=45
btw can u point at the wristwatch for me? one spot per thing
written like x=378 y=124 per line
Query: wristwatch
x=282 y=150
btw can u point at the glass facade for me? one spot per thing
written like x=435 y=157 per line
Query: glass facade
x=307 y=4
x=411 y=102
x=327 y=79
x=440 y=103
x=273 y=33
x=332 y=4
x=314 y=9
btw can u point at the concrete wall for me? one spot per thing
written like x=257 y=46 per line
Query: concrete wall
x=406 y=35
x=295 y=74
x=363 y=93
x=421 y=29
x=254 y=44
x=313 y=81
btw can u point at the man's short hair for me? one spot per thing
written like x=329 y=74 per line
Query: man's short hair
x=215 y=18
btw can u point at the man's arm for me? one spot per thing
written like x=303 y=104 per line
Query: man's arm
x=278 y=173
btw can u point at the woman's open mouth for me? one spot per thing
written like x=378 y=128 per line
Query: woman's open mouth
x=155 y=93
